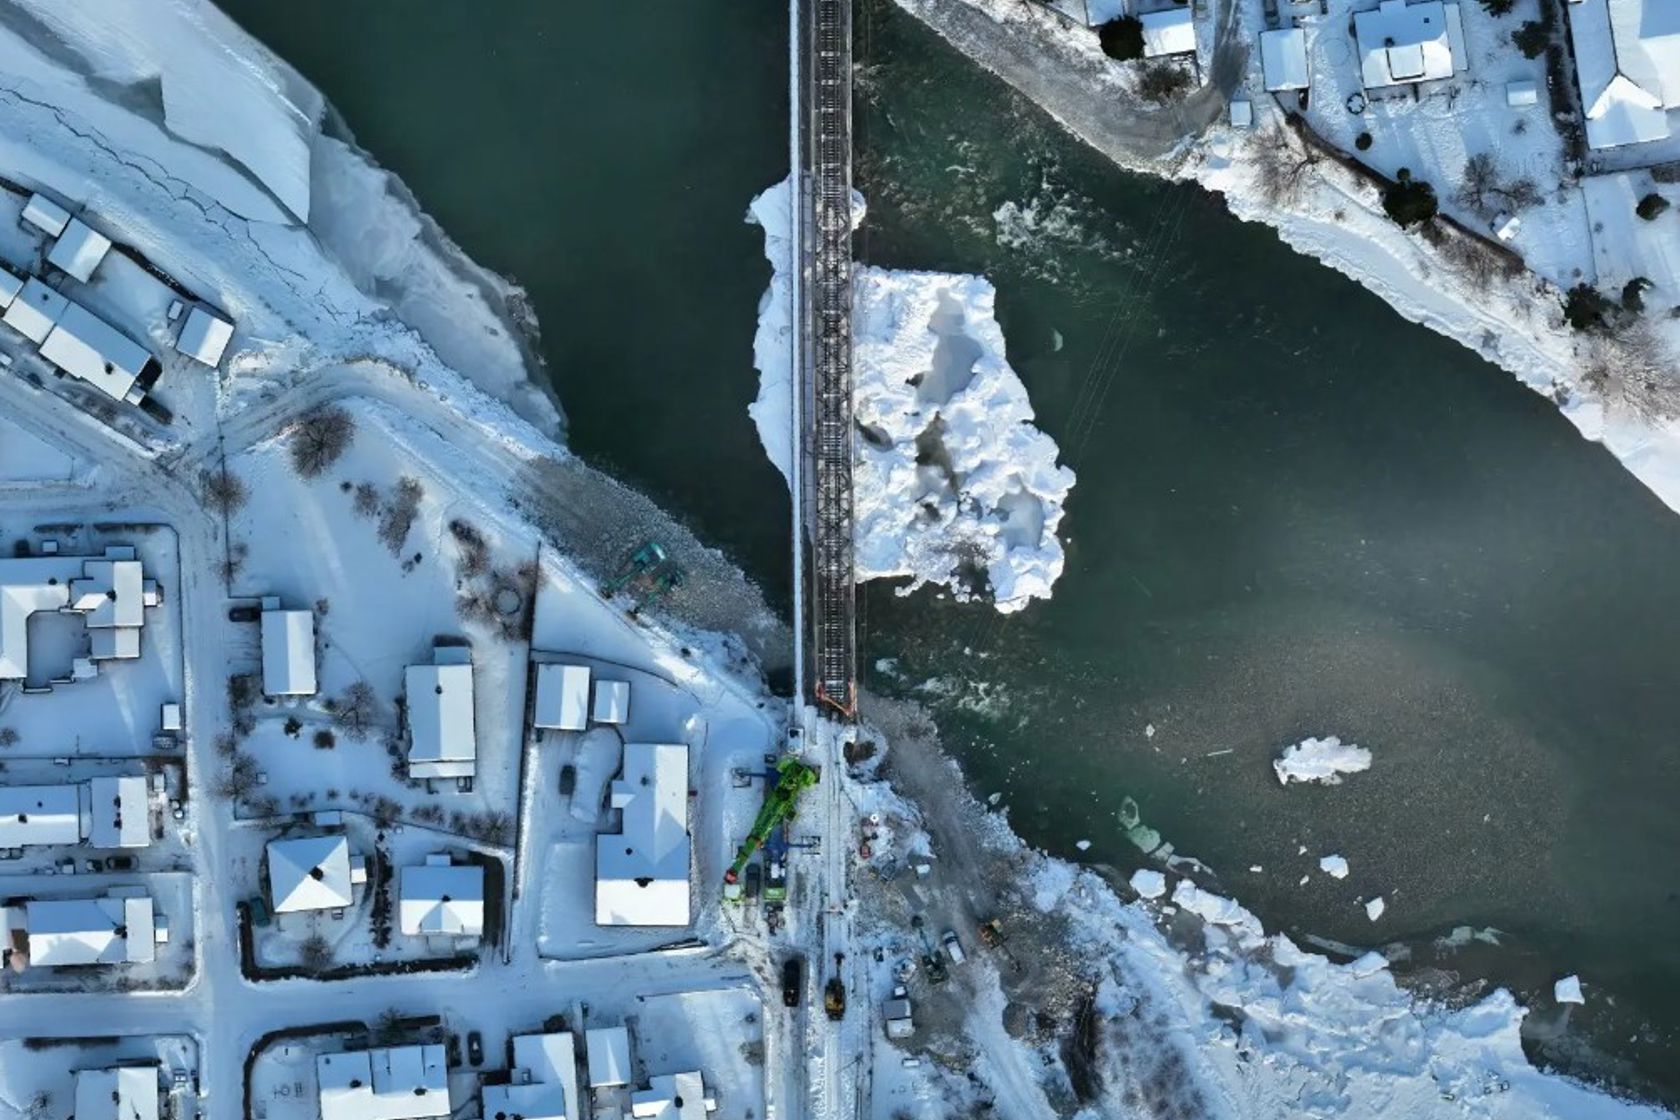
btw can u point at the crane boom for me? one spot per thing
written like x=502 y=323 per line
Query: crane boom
x=795 y=777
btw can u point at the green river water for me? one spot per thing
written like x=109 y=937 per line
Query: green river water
x=1296 y=514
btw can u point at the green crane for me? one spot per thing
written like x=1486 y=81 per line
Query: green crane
x=794 y=778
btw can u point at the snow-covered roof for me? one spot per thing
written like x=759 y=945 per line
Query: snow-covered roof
x=110 y=930
x=111 y=591
x=1620 y=108
x=288 y=653
x=440 y=721
x=543 y=1082
x=395 y=1083
x=309 y=873
x=86 y=346
x=40 y=815
x=609 y=1056
x=641 y=874
x=45 y=215
x=671 y=1096
x=1401 y=42
x=1647 y=35
x=562 y=700
x=25 y=589
x=121 y=1093
x=121 y=812
x=612 y=701
x=35 y=310
x=1283 y=57
x=204 y=337
x=1169 y=31
x=79 y=249
x=444 y=900
x=1521 y=92
x=10 y=285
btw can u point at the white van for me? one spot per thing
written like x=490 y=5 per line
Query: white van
x=953 y=947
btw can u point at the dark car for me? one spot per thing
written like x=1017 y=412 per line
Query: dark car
x=793 y=982
x=119 y=863
x=475 y=1048
x=754 y=877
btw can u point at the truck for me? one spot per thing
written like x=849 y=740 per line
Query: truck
x=953 y=947
x=834 y=998
x=793 y=982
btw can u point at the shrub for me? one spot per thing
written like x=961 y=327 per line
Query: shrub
x=1362 y=141
x=315 y=953
x=399 y=514
x=1498 y=7
x=1633 y=294
x=1532 y=37
x=223 y=490
x=1410 y=201
x=320 y=438
x=1122 y=38
x=1587 y=309
x=1650 y=206
x=325 y=740
x=1163 y=82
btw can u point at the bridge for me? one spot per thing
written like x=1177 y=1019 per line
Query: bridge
x=821 y=144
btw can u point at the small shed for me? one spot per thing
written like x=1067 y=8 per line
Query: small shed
x=204 y=337
x=612 y=701
x=1242 y=113
x=1521 y=94
x=1167 y=32
x=1283 y=57
x=609 y=1057
x=562 y=701
x=45 y=215
x=79 y=249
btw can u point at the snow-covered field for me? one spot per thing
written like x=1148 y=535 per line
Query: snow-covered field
x=953 y=484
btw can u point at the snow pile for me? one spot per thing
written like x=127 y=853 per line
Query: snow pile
x=1334 y=866
x=1320 y=760
x=954 y=485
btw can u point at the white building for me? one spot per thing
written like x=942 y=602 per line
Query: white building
x=92 y=350
x=34 y=311
x=395 y=1083
x=120 y=811
x=110 y=592
x=1401 y=43
x=543 y=1083
x=313 y=873
x=612 y=702
x=11 y=284
x=608 y=1050
x=641 y=873
x=1169 y=31
x=441 y=739
x=672 y=1096
x=1283 y=58
x=115 y=929
x=562 y=697
x=442 y=899
x=288 y=652
x=204 y=337
x=1627 y=60
x=46 y=215
x=120 y=1093
x=79 y=249
x=105 y=812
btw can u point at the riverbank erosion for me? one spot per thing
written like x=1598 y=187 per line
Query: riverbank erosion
x=1614 y=386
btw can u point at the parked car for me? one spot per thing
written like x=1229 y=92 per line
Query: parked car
x=475 y=1048
x=793 y=982
x=953 y=947
x=119 y=863
x=754 y=878
x=568 y=779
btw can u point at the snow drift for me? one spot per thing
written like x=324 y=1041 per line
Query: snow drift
x=954 y=485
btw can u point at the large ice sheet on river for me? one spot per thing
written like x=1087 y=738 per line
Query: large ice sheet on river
x=954 y=484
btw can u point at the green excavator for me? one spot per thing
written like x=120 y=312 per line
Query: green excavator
x=793 y=777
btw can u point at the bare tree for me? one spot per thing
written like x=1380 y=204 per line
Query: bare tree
x=239 y=779
x=1484 y=191
x=357 y=711
x=1281 y=165
x=319 y=438
x=366 y=501
x=1163 y=82
x=398 y=516
x=40 y=1105
x=222 y=490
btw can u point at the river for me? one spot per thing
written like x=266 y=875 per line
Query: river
x=1296 y=514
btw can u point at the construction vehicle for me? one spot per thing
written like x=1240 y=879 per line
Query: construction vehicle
x=793 y=778
x=648 y=573
x=834 y=992
x=991 y=933
x=933 y=961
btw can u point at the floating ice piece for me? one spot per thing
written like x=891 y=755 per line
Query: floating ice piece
x=993 y=798
x=1083 y=845
x=1320 y=760
x=1256 y=869
x=1568 y=990
x=1149 y=731
x=1334 y=866
x=1374 y=908
x=1305 y=879
x=1149 y=884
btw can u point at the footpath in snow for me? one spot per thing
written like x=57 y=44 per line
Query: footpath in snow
x=954 y=484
